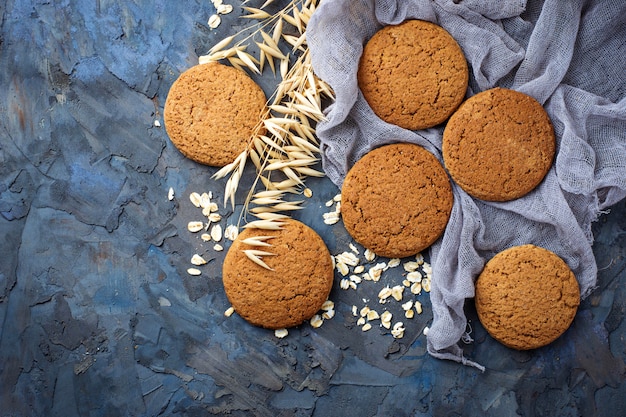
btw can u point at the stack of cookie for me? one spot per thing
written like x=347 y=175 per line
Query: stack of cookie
x=497 y=146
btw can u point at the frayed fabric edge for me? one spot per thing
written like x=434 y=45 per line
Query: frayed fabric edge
x=454 y=353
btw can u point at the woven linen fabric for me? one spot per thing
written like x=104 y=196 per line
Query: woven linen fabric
x=570 y=56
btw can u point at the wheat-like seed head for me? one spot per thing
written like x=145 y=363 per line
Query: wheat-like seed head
x=283 y=147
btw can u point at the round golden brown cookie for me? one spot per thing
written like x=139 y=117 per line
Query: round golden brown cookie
x=396 y=200
x=295 y=288
x=211 y=112
x=413 y=75
x=526 y=297
x=499 y=145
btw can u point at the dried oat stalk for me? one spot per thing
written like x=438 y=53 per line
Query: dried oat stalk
x=284 y=148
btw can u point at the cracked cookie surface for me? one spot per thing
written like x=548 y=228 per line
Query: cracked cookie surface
x=295 y=288
x=499 y=145
x=526 y=297
x=413 y=75
x=211 y=112
x=396 y=200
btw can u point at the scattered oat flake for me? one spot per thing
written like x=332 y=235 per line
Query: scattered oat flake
x=316 y=321
x=396 y=292
x=375 y=273
x=329 y=203
x=418 y=307
x=328 y=314
x=170 y=194
x=398 y=330
x=360 y=321
x=355 y=278
x=409 y=314
x=218 y=248
x=205 y=236
x=195 y=199
x=385 y=319
x=407 y=305
x=366 y=327
x=216 y=233
x=197 y=260
x=426 y=329
x=426 y=285
x=359 y=269
x=224 y=8
x=164 y=302
x=229 y=312
x=384 y=293
x=369 y=255
x=337 y=198
x=411 y=266
x=344 y=284
x=416 y=288
x=194 y=271
x=414 y=276
x=280 y=333
x=393 y=263
x=342 y=268
x=205 y=200
x=157 y=123
x=372 y=315
x=328 y=305
x=308 y=193
x=195 y=226
x=331 y=218
x=348 y=258
x=214 y=21
x=231 y=232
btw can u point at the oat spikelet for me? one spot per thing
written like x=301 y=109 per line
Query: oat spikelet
x=255 y=256
x=283 y=148
x=294 y=107
x=264 y=224
x=257 y=241
x=254 y=13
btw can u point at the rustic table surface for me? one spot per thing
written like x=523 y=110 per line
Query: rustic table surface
x=98 y=315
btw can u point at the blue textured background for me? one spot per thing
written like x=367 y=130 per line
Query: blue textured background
x=90 y=244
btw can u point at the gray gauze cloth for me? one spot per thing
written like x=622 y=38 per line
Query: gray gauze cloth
x=568 y=55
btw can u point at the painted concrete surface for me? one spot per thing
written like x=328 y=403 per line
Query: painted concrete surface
x=98 y=314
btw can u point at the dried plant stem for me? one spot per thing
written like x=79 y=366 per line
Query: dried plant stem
x=283 y=148
x=284 y=141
